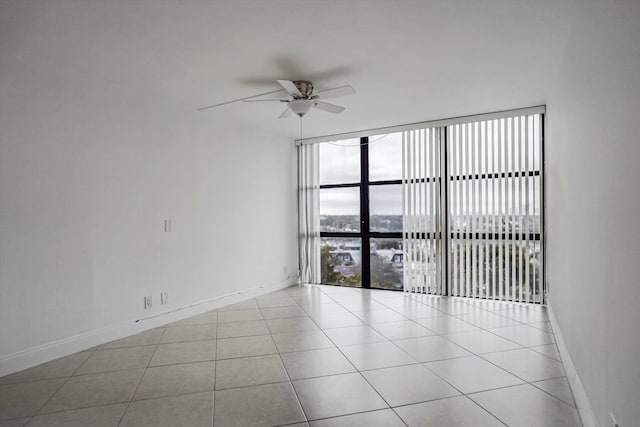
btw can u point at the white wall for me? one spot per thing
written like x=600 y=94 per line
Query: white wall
x=593 y=176
x=89 y=170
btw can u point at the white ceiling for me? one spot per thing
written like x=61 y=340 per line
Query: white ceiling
x=408 y=60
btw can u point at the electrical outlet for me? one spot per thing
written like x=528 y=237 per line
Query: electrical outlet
x=168 y=226
x=147 y=302
x=164 y=298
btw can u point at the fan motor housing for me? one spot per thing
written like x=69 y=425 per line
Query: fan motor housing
x=305 y=88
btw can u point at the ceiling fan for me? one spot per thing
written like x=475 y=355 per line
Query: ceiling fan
x=302 y=98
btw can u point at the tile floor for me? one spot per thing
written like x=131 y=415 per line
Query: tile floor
x=312 y=356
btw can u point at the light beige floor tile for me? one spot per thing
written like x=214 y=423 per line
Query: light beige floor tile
x=402 y=330
x=472 y=374
x=249 y=304
x=239 y=315
x=256 y=406
x=189 y=333
x=543 y=326
x=549 y=350
x=558 y=387
x=451 y=412
x=242 y=329
x=316 y=363
x=486 y=319
x=376 y=355
x=95 y=389
x=459 y=308
x=403 y=385
x=59 y=368
x=97 y=416
x=524 y=335
x=527 y=364
x=384 y=417
x=299 y=341
x=354 y=335
x=379 y=316
x=415 y=310
x=326 y=309
x=280 y=294
x=446 y=324
x=117 y=359
x=184 y=352
x=25 y=399
x=149 y=337
x=252 y=380
x=193 y=410
x=479 y=342
x=249 y=371
x=199 y=319
x=277 y=302
x=297 y=324
x=336 y=320
x=429 y=349
x=174 y=380
x=337 y=395
x=283 y=312
x=523 y=313
x=15 y=422
x=527 y=406
x=245 y=346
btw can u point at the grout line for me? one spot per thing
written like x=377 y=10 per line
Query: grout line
x=59 y=388
x=295 y=392
x=140 y=380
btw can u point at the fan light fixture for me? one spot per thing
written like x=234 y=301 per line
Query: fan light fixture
x=300 y=106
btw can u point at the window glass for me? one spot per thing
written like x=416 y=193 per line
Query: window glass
x=385 y=157
x=340 y=261
x=386 y=263
x=340 y=162
x=340 y=209
x=385 y=208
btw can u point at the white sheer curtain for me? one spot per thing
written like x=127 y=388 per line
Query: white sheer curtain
x=309 y=213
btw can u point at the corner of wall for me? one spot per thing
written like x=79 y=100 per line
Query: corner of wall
x=583 y=404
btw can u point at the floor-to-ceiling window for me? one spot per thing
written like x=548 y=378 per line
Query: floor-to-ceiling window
x=340 y=213
x=452 y=207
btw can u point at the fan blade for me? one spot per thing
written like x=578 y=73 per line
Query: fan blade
x=289 y=87
x=279 y=94
x=263 y=100
x=272 y=93
x=335 y=92
x=330 y=108
x=286 y=113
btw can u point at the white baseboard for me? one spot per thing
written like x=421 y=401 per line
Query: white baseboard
x=579 y=394
x=34 y=356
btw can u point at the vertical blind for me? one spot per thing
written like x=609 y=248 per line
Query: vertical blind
x=494 y=208
x=488 y=204
x=421 y=211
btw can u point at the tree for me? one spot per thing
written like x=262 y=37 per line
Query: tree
x=383 y=274
x=327 y=266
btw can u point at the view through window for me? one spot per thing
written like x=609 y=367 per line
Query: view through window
x=361 y=201
x=480 y=182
